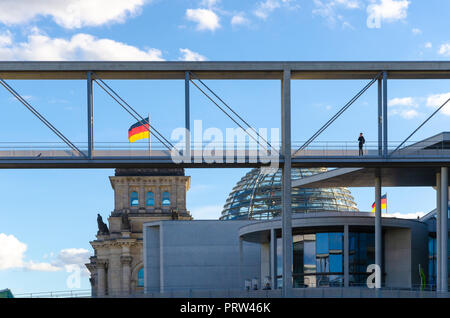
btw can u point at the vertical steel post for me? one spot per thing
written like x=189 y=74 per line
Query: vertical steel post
x=385 y=115
x=378 y=231
x=187 y=116
x=444 y=228
x=438 y=231
x=90 y=115
x=380 y=117
x=286 y=182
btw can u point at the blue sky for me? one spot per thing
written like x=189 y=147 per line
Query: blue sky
x=48 y=217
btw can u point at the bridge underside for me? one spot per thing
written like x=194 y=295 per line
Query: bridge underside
x=388 y=165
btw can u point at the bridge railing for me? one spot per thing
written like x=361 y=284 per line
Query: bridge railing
x=355 y=290
x=36 y=150
x=75 y=293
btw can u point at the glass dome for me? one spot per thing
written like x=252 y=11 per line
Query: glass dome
x=258 y=196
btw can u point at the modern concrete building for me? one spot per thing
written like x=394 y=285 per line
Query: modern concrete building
x=140 y=195
x=152 y=244
x=333 y=242
x=331 y=249
x=197 y=255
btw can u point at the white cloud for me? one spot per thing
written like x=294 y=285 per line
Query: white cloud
x=207 y=212
x=328 y=9
x=80 y=46
x=265 y=8
x=206 y=19
x=405 y=113
x=41 y=267
x=404 y=107
x=239 y=19
x=12 y=256
x=428 y=45
x=404 y=101
x=188 y=55
x=6 y=38
x=437 y=100
x=404 y=215
x=416 y=31
x=70 y=13
x=387 y=11
x=209 y=3
x=11 y=252
x=72 y=258
x=444 y=49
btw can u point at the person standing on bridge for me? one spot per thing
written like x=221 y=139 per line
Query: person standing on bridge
x=361 y=141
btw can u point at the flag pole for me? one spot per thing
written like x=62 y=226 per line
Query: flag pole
x=149 y=150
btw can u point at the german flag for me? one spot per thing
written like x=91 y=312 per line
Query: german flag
x=383 y=203
x=140 y=130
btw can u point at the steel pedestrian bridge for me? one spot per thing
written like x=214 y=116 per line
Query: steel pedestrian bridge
x=433 y=152
x=310 y=153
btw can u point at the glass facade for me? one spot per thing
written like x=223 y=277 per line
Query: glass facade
x=361 y=255
x=432 y=267
x=318 y=258
x=258 y=196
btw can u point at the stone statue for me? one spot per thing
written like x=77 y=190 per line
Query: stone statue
x=102 y=227
x=175 y=214
x=125 y=222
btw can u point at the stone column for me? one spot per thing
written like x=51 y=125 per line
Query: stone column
x=101 y=277
x=158 y=196
x=142 y=197
x=126 y=274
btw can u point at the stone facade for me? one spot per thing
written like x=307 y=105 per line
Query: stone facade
x=140 y=196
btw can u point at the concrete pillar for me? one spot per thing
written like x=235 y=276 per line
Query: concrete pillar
x=126 y=274
x=265 y=263
x=346 y=257
x=378 y=231
x=444 y=228
x=273 y=258
x=101 y=278
x=286 y=227
x=438 y=231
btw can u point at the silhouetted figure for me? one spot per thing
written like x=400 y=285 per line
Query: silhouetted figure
x=361 y=142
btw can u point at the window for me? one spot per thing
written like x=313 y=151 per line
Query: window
x=150 y=199
x=141 y=277
x=134 y=199
x=317 y=259
x=166 y=199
